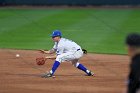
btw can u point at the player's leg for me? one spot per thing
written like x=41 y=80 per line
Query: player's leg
x=81 y=67
x=60 y=58
x=54 y=67
x=52 y=71
x=75 y=62
x=57 y=62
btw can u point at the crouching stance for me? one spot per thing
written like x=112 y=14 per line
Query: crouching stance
x=66 y=50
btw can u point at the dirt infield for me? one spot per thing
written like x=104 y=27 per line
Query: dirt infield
x=22 y=75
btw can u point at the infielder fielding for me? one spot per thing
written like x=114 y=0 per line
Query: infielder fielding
x=66 y=50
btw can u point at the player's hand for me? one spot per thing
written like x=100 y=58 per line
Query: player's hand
x=43 y=51
x=84 y=51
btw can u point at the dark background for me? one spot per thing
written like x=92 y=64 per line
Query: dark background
x=70 y=2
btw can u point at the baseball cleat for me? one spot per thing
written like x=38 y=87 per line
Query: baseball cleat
x=47 y=75
x=90 y=73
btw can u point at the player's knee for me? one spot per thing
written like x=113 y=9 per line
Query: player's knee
x=59 y=58
x=76 y=64
x=58 y=61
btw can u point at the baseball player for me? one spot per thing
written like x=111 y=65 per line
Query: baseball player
x=133 y=48
x=66 y=50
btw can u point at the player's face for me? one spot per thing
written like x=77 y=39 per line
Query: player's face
x=130 y=50
x=56 y=39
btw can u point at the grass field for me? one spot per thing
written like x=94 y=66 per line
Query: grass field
x=97 y=30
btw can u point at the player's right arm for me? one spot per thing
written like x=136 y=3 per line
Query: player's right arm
x=48 y=52
x=53 y=50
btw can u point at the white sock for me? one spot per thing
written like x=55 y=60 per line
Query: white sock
x=87 y=71
x=51 y=71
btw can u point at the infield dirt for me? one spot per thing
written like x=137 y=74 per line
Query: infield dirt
x=22 y=75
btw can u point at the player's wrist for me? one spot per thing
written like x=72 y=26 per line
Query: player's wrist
x=46 y=52
x=48 y=57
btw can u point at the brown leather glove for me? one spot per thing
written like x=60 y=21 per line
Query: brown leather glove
x=40 y=61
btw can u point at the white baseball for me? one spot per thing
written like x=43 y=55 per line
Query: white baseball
x=17 y=55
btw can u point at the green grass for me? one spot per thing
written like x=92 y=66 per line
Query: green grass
x=97 y=30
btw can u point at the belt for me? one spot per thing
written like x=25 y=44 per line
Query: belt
x=78 y=49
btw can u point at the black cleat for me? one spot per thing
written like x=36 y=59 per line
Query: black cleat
x=46 y=75
x=90 y=73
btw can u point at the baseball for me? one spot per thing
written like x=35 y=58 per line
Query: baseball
x=17 y=55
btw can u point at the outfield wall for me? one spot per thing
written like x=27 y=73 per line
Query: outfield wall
x=70 y=2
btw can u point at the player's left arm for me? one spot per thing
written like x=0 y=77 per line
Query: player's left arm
x=51 y=57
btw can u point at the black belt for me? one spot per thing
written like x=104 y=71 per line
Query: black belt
x=78 y=49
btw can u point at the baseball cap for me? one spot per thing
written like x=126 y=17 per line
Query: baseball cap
x=56 y=33
x=133 y=39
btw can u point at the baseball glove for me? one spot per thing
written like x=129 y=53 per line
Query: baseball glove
x=84 y=51
x=40 y=61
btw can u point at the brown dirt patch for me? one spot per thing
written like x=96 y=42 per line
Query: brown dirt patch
x=21 y=75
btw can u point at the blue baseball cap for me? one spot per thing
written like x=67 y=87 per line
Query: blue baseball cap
x=56 y=33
